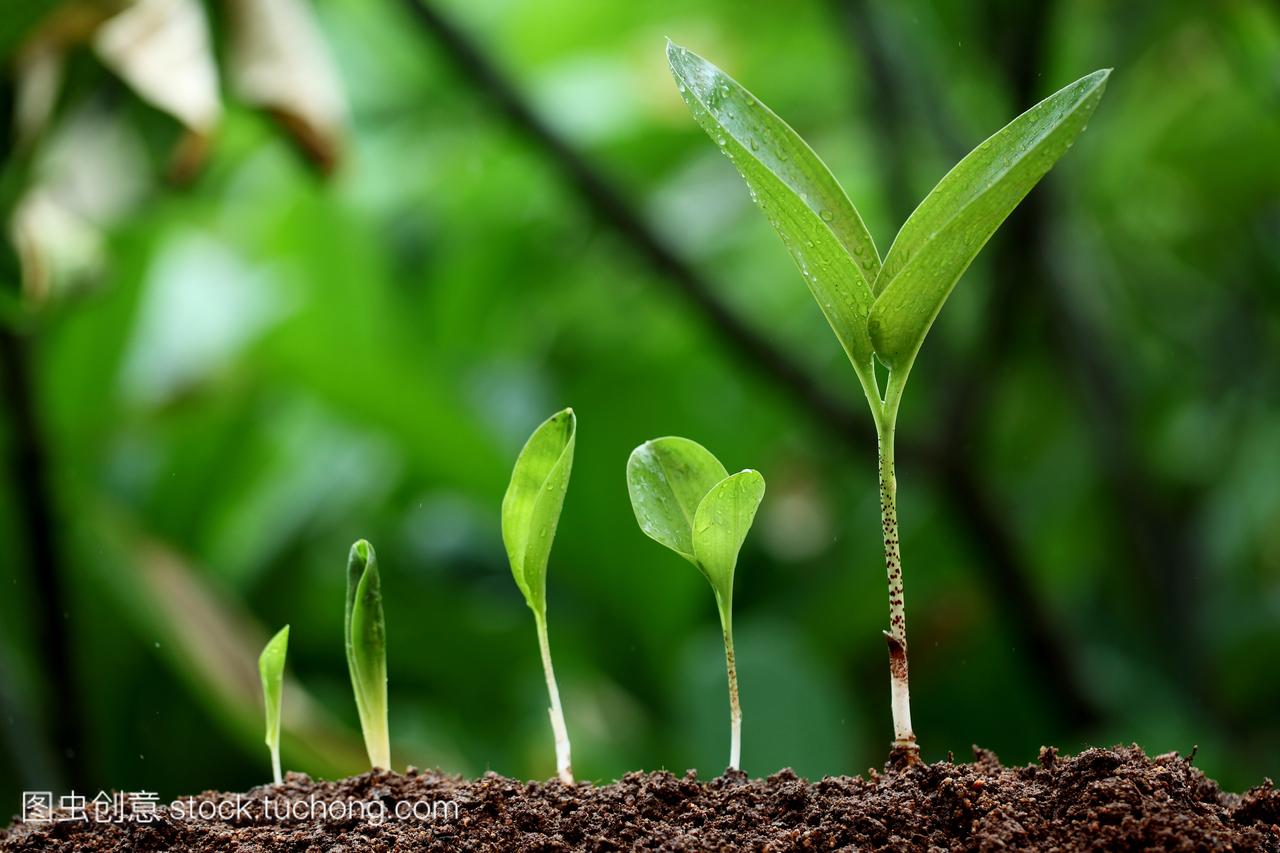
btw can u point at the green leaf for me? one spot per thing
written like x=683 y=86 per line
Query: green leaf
x=945 y=233
x=683 y=497
x=366 y=642
x=271 y=668
x=796 y=190
x=667 y=479
x=532 y=504
x=721 y=523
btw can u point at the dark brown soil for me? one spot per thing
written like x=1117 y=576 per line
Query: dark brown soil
x=1103 y=799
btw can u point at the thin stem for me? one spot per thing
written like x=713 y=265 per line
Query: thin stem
x=904 y=738
x=735 y=707
x=564 y=766
x=275 y=763
x=378 y=741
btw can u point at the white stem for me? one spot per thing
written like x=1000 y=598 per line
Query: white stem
x=735 y=706
x=735 y=739
x=564 y=766
x=275 y=764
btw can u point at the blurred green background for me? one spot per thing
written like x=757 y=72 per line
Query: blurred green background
x=236 y=365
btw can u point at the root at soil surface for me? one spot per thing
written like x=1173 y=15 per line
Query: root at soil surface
x=1102 y=799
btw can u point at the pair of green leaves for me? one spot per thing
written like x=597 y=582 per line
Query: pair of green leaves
x=684 y=498
x=878 y=309
x=366 y=643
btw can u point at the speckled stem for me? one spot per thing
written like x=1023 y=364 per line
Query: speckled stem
x=896 y=636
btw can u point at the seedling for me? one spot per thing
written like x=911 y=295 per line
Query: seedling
x=881 y=311
x=271 y=668
x=530 y=514
x=684 y=498
x=366 y=641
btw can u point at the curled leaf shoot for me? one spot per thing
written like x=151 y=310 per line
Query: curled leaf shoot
x=881 y=311
x=366 y=643
x=271 y=668
x=685 y=499
x=530 y=514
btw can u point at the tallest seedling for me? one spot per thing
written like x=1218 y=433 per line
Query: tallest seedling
x=881 y=310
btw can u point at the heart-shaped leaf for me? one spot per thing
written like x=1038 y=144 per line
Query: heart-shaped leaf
x=796 y=190
x=720 y=525
x=531 y=507
x=683 y=497
x=945 y=233
x=667 y=479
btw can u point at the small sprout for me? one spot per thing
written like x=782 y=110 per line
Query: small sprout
x=366 y=641
x=271 y=668
x=684 y=498
x=881 y=311
x=530 y=514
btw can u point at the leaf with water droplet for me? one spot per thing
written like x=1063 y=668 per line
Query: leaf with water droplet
x=953 y=223
x=723 y=518
x=683 y=497
x=533 y=502
x=667 y=478
x=786 y=176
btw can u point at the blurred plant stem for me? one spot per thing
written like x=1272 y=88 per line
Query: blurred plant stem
x=30 y=483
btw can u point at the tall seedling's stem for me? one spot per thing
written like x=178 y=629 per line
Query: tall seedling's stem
x=564 y=766
x=904 y=737
x=735 y=706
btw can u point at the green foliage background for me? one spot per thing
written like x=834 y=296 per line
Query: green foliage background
x=277 y=365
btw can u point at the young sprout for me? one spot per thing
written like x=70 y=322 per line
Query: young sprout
x=271 y=668
x=684 y=498
x=366 y=641
x=881 y=311
x=530 y=514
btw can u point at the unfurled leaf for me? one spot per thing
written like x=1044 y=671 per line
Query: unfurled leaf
x=956 y=219
x=683 y=497
x=366 y=642
x=271 y=668
x=796 y=190
x=721 y=523
x=532 y=504
x=667 y=478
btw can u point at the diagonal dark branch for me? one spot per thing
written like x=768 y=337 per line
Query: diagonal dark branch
x=607 y=202
x=985 y=527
